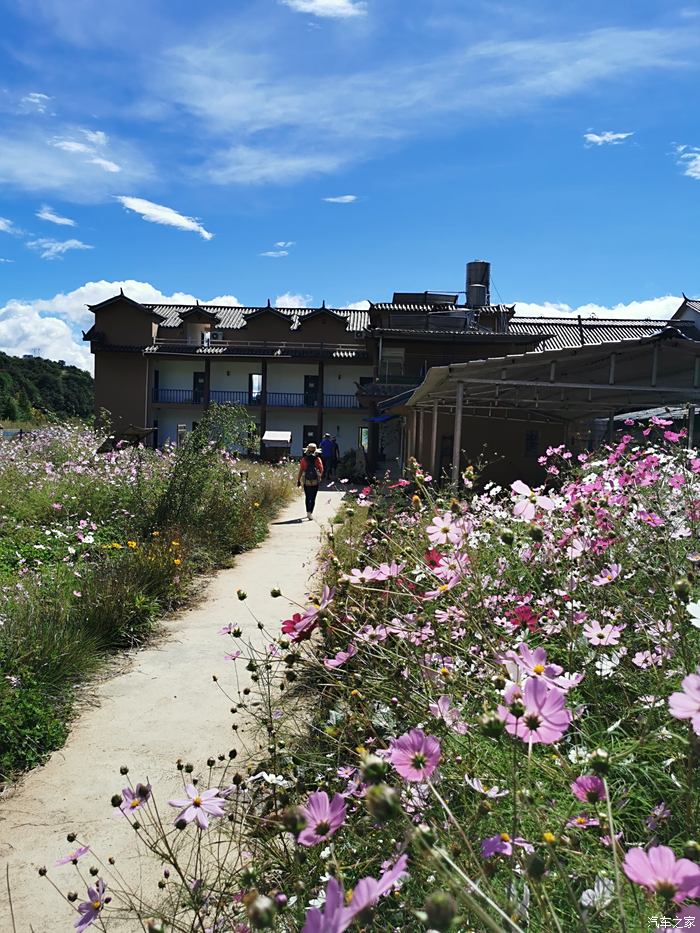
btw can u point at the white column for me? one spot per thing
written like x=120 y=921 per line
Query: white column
x=691 y=426
x=457 y=441
x=433 y=440
x=419 y=437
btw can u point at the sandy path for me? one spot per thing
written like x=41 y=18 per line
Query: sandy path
x=165 y=706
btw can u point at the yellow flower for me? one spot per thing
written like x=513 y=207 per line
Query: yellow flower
x=177 y=561
x=175 y=543
x=132 y=544
x=256 y=505
x=415 y=500
x=549 y=838
x=116 y=545
x=155 y=534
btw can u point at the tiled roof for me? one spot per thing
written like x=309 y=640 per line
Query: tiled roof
x=560 y=333
x=693 y=303
x=233 y=317
x=438 y=308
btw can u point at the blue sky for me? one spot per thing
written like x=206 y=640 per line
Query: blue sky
x=201 y=149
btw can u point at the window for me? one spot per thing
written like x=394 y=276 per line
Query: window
x=181 y=434
x=310 y=434
x=532 y=444
x=254 y=388
x=363 y=438
x=392 y=361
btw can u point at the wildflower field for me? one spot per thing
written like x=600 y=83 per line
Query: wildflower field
x=489 y=720
x=94 y=547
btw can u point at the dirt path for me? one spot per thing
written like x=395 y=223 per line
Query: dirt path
x=165 y=706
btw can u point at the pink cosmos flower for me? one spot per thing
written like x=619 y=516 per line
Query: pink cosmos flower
x=491 y=792
x=660 y=872
x=502 y=844
x=444 y=710
x=360 y=577
x=525 y=507
x=685 y=704
x=367 y=891
x=91 y=909
x=607 y=575
x=582 y=822
x=340 y=658
x=415 y=755
x=444 y=530
x=72 y=856
x=589 y=788
x=534 y=663
x=545 y=719
x=134 y=797
x=598 y=634
x=323 y=817
x=198 y=806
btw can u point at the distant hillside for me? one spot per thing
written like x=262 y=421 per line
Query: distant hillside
x=30 y=382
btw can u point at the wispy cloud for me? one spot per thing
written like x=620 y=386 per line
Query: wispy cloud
x=342 y=199
x=651 y=308
x=6 y=260
x=335 y=9
x=160 y=214
x=55 y=249
x=284 y=244
x=35 y=102
x=6 y=226
x=688 y=157
x=270 y=124
x=606 y=139
x=291 y=300
x=97 y=140
x=275 y=253
x=106 y=164
x=70 y=145
x=47 y=213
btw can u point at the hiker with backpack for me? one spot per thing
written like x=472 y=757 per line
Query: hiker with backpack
x=311 y=472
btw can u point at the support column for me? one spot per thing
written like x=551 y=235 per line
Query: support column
x=457 y=437
x=373 y=441
x=611 y=427
x=691 y=426
x=319 y=402
x=207 y=382
x=419 y=437
x=411 y=442
x=433 y=441
x=263 y=399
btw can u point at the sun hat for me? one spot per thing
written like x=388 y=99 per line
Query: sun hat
x=311 y=449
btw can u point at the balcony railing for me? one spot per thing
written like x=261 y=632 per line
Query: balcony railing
x=274 y=399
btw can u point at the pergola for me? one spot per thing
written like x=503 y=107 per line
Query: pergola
x=559 y=386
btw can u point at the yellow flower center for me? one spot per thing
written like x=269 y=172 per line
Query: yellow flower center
x=96 y=905
x=197 y=801
x=443 y=588
x=538 y=669
x=505 y=837
x=134 y=803
x=581 y=820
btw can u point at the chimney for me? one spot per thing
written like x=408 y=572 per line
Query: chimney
x=478 y=283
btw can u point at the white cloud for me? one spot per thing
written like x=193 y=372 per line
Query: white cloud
x=6 y=226
x=35 y=102
x=252 y=165
x=96 y=137
x=336 y=9
x=342 y=199
x=358 y=305
x=160 y=214
x=653 y=308
x=70 y=145
x=106 y=164
x=6 y=260
x=53 y=325
x=47 y=213
x=688 y=157
x=284 y=244
x=290 y=300
x=55 y=249
x=275 y=253
x=607 y=138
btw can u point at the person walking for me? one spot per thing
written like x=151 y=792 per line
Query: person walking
x=335 y=459
x=327 y=454
x=311 y=473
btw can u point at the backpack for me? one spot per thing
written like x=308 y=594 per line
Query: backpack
x=310 y=471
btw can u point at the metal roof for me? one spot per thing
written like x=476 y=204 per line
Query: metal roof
x=576 y=382
x=558 y=333
x=233 y=317
x=437 y=307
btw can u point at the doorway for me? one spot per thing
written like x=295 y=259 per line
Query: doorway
x=198 y=380
x=311 y=386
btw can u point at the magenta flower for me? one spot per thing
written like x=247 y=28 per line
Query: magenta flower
x=660 y=872
x=360 y=577
x=480 y=788
x=91 y=909
x=72 y=856
x=334 y=918
x=607 y=575
x=582 y=822
x=545 y=718
x=444 y=710
x=134 y=797
x=502 y=844
x=367 y=891
x=685 y=704
x=589 y=788
x=340 y=658
x=323 y=818
x=415 y=755
x=598 y=634
x=199 y=806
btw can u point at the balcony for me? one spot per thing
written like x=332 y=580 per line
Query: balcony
x=274 y=399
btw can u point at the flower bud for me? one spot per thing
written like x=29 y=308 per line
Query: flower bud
x=681 y=587
x=72 y=896
x=383 y=802
x=281 y=900
x=599 y=761
x=241 y=594
x=261 y=912
x=440 y=909
x=117 y=800
x=536 y=533
x=275 y=592
x=123 y=770
x=535 y=867
x=293 y=820
x=374 y=768
x=492 y=725
x=499 y=681
x=517 y=708
x=155 y=926
x=507 y=537
x=691 y=850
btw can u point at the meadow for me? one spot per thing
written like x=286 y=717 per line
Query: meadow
x=96 y=547
x=487 y=720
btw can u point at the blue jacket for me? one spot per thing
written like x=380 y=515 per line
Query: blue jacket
x=327 y=447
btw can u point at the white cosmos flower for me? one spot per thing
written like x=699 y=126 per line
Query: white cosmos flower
x=694 y=613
